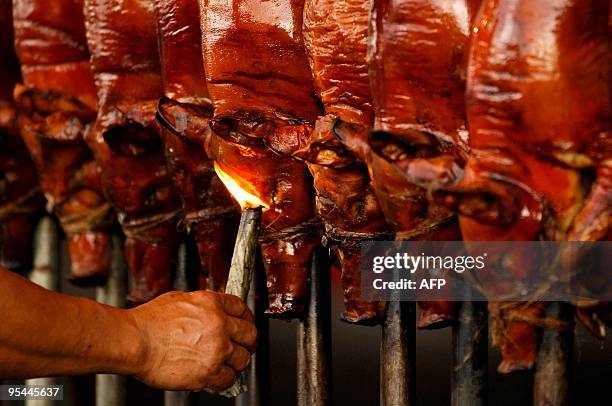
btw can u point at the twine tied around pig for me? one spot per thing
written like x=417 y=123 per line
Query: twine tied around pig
x=307 y=227
x=351 y=240
x=504 y=313
x=96 y=218
x=24 y=205
x=137 y=229
x=205 y=215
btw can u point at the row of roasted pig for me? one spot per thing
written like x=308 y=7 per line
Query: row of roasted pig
x=348 y=120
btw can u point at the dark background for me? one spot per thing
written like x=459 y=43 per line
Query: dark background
x=355 y=368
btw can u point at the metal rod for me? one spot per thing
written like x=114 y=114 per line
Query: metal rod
x=46 y=274
x=176 y=398
x=241 y=271
x=259 y=370
x=553 y=366
x=111 y=389
x=181 y=283
x=314 y=337
x=470 y=355
x=397 y=355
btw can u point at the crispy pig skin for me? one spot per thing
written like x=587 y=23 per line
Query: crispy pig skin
x=210 y=214
x=20 y=198
x=255 y=62
x=180 y=46
x=523 y=179
x=417 y=57
x=56 y=102
x=260 y=84
x=121 y=35
x=335 y=36
x=289 y=232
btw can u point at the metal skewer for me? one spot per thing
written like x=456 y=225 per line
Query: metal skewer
x=470 y=360
x=46 y=274
x=397 y=355
x=111 y=389
x=553 y=366
x=314 y=337
x=258 y=373
x=181 y=283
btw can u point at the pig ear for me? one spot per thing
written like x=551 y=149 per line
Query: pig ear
x=46 y=102
x=191 y=122
x=292 y=140
x=318 y=146
x=593 y=222
x=491 y=202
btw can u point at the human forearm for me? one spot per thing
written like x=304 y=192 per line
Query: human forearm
x=46 y=333
x=179 y=341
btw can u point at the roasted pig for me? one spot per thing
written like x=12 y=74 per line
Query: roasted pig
x=335 y=34
x=417 y=56
x=540 y=119
x=122 y=40
x=57 y=102
x=183 y=114
x=261 y=88
x=20 y=198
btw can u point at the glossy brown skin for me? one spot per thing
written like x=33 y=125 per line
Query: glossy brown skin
x=261 y=87
x=20 y=198
x=121 y=35
x=289 y=232
x=210 y=214
x=255 y=62
x=180 y=45
x=418 y=50
x=335 y=36
x=522 y=181
x=57 y=102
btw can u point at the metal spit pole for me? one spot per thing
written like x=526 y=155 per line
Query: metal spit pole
x=181 y=283
x=470 y=355
x=553 y=367
x=314 y=337
x=46 y=274
x=397 y=355
x=111 y=389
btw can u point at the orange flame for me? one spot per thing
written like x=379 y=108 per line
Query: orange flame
x=246 y=199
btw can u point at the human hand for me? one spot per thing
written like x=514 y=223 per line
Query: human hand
x=193 y=341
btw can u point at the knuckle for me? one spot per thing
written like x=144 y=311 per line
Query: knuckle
x=201 y=296
x=228 y=381
x=214 y=297
x=223 y=380
x=223 y=348
x=216 y=322
x=227 y=348
x=252 y=334
x=216 y=367
x=240 y=304
x=244 y=362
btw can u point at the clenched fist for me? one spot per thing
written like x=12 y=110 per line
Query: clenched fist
x=193 y=341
